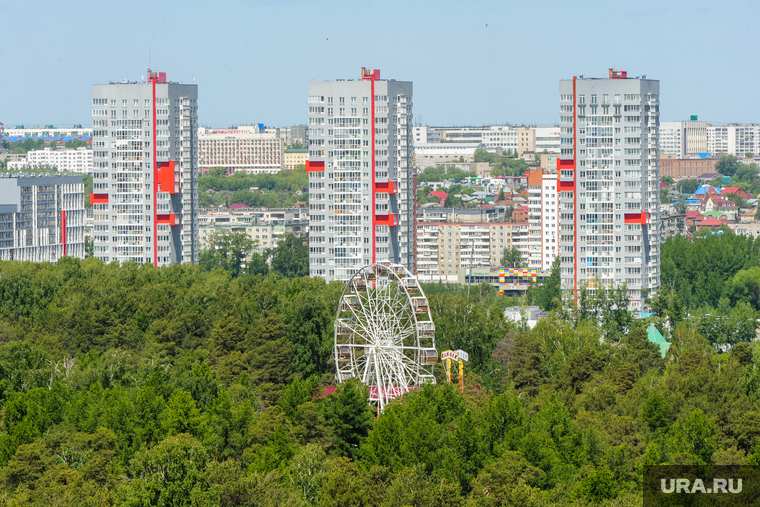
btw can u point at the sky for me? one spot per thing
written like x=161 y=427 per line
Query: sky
x=472 y=63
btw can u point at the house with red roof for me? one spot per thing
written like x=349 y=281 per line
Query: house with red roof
x=720 y=204
x=693 y=217
x=735 y=190
x=440 y=194
x=712 y=223
x=520 y=214
x=239 y=205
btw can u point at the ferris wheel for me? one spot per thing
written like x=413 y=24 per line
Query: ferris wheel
x=384 y=335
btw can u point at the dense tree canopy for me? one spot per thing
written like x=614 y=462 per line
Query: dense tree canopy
x=140 y=386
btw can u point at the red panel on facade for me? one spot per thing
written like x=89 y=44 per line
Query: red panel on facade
x=98 y=198
x=389 y=219
x=170 y=219
x=566 y=185
x=165 y=175
x=637 y=218
x=565 y=164
x=388 y=187
x=315 y=166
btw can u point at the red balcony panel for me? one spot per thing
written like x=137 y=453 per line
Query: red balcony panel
x=637 y=218
x=170 y=219
x=315 y=166
x=98 y=198
x=388 y=187
x=389 y=219
x=165 y=177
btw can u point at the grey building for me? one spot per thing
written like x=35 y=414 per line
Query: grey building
x=361 y=181
x=41 y=217
x=145 y=174
x=609 y=184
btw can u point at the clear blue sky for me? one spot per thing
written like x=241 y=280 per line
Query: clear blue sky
x=252 y=59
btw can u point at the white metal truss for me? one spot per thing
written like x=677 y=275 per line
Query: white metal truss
x=384 y=335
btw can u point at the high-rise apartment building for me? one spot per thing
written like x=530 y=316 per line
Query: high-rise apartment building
x=361 y=181
x=609 y=184
x=543 y=218
x=145 y=174
x=41 y=217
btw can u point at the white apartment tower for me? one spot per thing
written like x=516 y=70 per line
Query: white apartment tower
x=145 y=177
x=609 y=184
x=361 y=180
x=543 y=218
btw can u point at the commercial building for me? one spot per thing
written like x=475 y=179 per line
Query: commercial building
x=446 y=249
x=609 y=184
x=145 y=175
x=77 y=160
x=246 y=148
x=683 y=138
x=438 y=154
x=362 y=204
x=297 y=134
x=686 y=167
x=547 y=140
x=293 y=157
x=41 y=217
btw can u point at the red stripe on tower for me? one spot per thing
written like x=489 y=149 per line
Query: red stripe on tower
x=154 y=78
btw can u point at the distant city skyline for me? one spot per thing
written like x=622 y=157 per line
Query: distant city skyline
x=471 y=64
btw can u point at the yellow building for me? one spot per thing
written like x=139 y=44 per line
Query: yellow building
x=295 y=156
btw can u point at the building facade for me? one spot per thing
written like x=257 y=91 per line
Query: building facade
x=686 y=167
x=683 y=138
x=547 y=140
x=72 y=160
x=293 y=157
x=444 y=248
x=145 y=175
x=736 y=140
x=543 y=218
x=243 y=149
x=42 y=218
x=362 y=204
x=263 y=227
x=609 y=184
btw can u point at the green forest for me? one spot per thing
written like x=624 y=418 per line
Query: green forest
x=187 y=386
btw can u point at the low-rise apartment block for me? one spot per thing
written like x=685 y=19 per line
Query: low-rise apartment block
x=242 y=149
x=293 y=157
x=41 y=218
x=264 y=227
x=77 y=160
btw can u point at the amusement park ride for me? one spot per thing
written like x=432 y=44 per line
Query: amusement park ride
x=384 y=334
